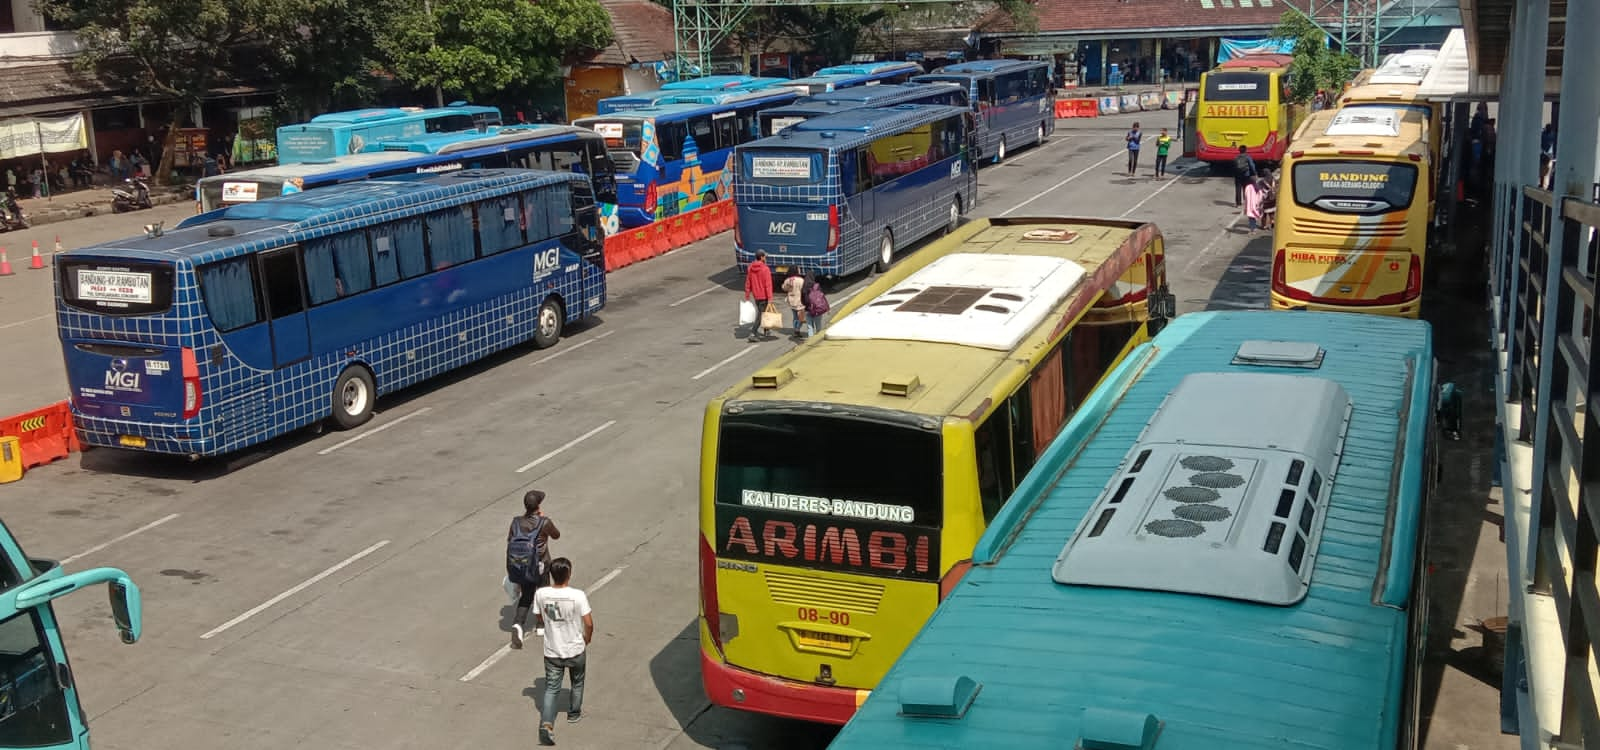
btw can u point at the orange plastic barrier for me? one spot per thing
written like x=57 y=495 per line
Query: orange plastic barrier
x=697 y=224
x=677 y=231
x=46 y=434
x=716 y=217
x=1077 y=108
x=614 y=253
x=658 y=239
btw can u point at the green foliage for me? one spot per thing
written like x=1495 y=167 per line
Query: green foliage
x=481 y=48
x=327 y=59
x=1316 y=67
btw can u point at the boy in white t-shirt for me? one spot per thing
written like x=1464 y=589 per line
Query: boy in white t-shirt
x=564 y=614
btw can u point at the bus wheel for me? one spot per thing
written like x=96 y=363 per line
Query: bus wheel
x=549 y=330
x=353 y=397
x=1038 y=135
x=885 y=251
x=1000 y=151
x=955 y=216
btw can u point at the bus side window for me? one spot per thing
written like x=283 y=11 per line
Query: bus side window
x=535 y=218
x=986 y=92
x=701 y=131
x=280 y=276
x=410 y=252
x=864 y=179
x=994 y=462
x=499 y=224
x=451 y=240
x=337 y=266
x=669 y=136
x=727 y=132
x=557 y=202
x=1048 y=395
x=1022 y=451
x=229 y=289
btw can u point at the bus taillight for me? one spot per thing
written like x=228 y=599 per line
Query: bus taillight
x=708 y=592
x=833 y=227
x=1280 y=277
x=191 y=384
x=1414 y=277
x=650 y=198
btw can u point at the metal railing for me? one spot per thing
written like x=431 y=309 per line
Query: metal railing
x=1550 y=374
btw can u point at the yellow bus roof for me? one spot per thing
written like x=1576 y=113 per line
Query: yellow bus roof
x=1009 y=290
x=1373 y=131
x=1398 y=93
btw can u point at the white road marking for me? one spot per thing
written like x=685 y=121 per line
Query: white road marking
x=1075 y=176
x=696 y=294
x=1223 y=232
x=569 y=444
x=565 y=350
x=726 y=360
x=299 y=587
x=373 y=431
x=1170 y=183
x=139 y=530
x=25 y=322
x=501 y=652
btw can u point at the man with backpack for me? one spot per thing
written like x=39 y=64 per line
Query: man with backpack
x=528 y=558
x=1244 y=171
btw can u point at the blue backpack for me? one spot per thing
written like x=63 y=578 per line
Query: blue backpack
x=525 y=553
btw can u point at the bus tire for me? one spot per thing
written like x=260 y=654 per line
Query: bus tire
x=885 y=252
x=1000 y=151
x=354 y=394
x=955 y=216
x=547 y=324
x=1039 y=135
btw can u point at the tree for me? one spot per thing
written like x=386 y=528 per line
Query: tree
x=1316 y=66
x=481 y=48
x=177 y=49
x=327 y=58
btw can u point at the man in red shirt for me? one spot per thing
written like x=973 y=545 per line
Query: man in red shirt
x=758 y=287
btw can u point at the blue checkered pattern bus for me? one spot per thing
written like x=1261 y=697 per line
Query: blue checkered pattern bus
x=250 y=321
x=836 y=194
x=1225 y=546
x=817 y=105
x=560 y=148
x=343 y=133
x=1012 y=98
x=672 y=158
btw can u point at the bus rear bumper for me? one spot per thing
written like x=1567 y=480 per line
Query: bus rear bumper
x=825 y=266
x=150 y=437
x=731 y=687
x=1409 y=309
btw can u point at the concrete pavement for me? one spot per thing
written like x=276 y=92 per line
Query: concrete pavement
x=342 y=590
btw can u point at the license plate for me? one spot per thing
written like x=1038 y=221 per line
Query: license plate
x=131 y=441
x=815 y=639
x=780 y=269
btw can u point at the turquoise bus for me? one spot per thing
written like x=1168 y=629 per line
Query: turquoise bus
x=707 y=84
x=342 y=133
x=838 y=77
x=1012 y=99
x=39 y=705
x=835 y=194
x=1225 y=547
x=253 y=320
x=817 y=105
x=672 y=158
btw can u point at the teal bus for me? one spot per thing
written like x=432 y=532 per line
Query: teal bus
x=342 y=133
x=39 y=705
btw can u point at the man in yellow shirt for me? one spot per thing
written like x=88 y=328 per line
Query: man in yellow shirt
x=1163 y=144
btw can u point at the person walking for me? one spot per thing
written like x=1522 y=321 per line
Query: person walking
x=1134 y=137
x=1244 y=170
x=1269 y=199
x=758 y=288
x=1252 y=203
x=794 y=292
x=816 y=305
x=528 y=558
x=1163 y=145
x=568 y=623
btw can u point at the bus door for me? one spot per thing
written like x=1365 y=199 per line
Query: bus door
x=862 y=204
x=283 y=289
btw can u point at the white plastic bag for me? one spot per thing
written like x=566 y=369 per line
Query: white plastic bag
x=513 y=591
x=747 y=312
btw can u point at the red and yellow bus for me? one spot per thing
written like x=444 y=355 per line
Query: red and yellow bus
x=844 y=485
x=1353 y=213
x=1243 y=103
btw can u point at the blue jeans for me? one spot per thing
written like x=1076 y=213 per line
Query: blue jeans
x=799 y=318
x=553 y=669
x=814 y=324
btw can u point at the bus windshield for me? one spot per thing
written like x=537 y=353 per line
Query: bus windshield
x=1233 y=86
x=850 y=493
x=33 y=706
x=624 y=139
x=1354 y=187
x=117 y=287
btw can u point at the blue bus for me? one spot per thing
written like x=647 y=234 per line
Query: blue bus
x=1012 y=98
x=707 y=84
x=816 y=105
x=1225 y=546
x=673 y=158
x=561 y=148
x=253 y=320
x=341 y=133
x=835 y=194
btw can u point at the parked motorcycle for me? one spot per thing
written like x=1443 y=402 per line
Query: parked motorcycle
x=12 y=217
x=133 y=195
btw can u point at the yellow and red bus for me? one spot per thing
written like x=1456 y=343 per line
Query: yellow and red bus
x=1243 y=103
x=1352 y=228
x=844 y=484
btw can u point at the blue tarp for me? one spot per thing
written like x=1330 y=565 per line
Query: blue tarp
x=1232 y=48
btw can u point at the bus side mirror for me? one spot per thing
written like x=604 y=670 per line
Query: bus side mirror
x=125 y=602
x=1449 y=410
x=126 y=609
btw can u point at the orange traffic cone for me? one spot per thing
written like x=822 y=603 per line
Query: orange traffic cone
x=36 y=262
x=5 y=263
x=58 y=244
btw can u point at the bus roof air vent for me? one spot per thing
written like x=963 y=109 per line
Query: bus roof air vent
x=900 y=385
x=771 y=377
x=1302 y=354
x=1221 y=496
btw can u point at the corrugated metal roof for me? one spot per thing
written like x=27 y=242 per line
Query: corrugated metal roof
x=1214 y=673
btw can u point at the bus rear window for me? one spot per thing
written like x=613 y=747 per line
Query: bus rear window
x=1238 y=87
x=1354 y=187
x=829 y=491
x=623 y=138
x=215 y=194
x=117 y=287
x=782 y=168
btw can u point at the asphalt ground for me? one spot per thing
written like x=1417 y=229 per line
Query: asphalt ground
x=342 y=590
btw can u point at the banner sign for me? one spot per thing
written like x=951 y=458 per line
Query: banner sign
x=52 y=135
x=1231 y=48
